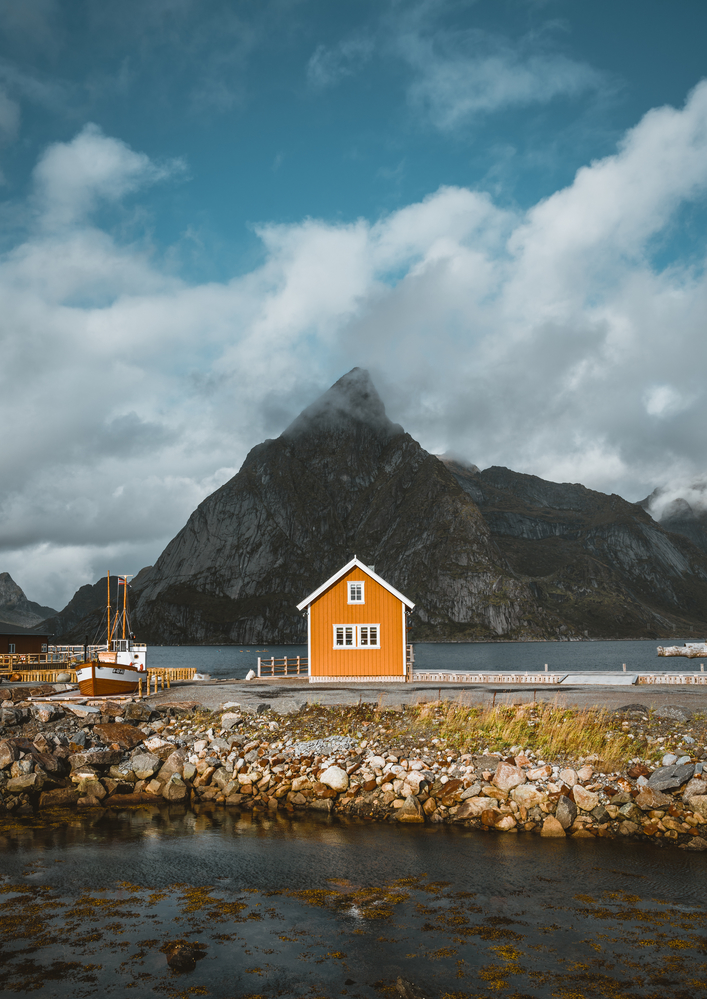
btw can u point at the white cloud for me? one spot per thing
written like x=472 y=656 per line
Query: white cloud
x=664 y=400
x=458 y=78
x=682 y=489
x=329 y=65
x=72 y=178
x=545 y=340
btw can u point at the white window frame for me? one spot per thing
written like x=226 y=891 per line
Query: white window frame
x=356 y=582
x=11 y=648
x=343 y=628
x=356 y=630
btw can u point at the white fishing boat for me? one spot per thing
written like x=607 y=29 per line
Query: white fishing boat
x=116 y=667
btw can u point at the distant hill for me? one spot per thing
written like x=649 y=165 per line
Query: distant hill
x=84 y=615
x=16 y=609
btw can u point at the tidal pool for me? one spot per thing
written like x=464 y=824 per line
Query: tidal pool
x=290 y=906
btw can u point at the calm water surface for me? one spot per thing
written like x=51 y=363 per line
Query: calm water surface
x=295 y=907
x=235 y=661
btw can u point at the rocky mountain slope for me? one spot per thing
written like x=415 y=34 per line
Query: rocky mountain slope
x=603 y=564
x=16 y=609
x=341 y=480
x=490 y=554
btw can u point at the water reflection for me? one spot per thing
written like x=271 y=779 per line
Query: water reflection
x=296 y=906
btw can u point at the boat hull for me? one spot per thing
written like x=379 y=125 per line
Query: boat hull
x=98 y=679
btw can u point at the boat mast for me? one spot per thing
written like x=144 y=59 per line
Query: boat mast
x=125 y=601
x=109 y=622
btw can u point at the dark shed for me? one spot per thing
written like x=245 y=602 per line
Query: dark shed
x=21 y=643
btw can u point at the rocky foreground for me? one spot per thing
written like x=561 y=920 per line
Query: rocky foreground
x=406 y=766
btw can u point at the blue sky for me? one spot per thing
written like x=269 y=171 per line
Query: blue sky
x=211 y=210
x=284 y=110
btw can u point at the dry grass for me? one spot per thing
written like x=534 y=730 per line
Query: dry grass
x=549 y=730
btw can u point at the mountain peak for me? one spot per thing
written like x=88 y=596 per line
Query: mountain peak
x=352 y=399
x=15 y=608
x=10 y=592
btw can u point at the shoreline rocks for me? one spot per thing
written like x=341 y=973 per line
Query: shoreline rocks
x=120 y=755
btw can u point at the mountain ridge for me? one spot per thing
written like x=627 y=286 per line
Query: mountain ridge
x=336 y=482
x=485 y=555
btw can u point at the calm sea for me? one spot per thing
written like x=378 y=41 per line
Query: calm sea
x=234 y=661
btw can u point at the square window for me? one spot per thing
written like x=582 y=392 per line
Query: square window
x=356 y=592
x=344 y=636
x=368 y=636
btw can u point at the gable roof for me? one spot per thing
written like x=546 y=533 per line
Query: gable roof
x=342 y=572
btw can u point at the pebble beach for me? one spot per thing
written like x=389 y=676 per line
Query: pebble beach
x=413 y=764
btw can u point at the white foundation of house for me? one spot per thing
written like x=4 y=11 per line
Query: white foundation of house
x=358 y=679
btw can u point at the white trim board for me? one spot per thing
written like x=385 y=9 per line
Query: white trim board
x=342 y=572
x=357 y=679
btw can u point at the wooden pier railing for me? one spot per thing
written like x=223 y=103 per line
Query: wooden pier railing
x=16 y=661
x=39 y=675
x=181 y=672
x=286 y=666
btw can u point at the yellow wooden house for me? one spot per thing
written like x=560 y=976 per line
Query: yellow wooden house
x=356 y=628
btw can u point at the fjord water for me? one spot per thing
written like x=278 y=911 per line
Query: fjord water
x=234 y=661
x=293 y=906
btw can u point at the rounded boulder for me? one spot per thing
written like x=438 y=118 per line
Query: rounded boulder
x=335 y=778
x=507 y=776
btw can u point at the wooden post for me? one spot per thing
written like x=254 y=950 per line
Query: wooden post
x=258 y=665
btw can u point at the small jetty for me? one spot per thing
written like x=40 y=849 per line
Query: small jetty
x=614 y=679
x=689 y=650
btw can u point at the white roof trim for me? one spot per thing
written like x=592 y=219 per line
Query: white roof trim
x=342 y=572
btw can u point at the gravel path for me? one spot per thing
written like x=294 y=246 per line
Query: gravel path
x=286 y=696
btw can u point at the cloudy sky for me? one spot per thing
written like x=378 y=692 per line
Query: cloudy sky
x=211 y=209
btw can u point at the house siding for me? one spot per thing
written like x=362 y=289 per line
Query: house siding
x=332 y=607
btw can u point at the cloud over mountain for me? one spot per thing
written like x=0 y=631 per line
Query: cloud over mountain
x=555 y=340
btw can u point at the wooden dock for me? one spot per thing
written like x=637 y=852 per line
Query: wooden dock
x=616 y=678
